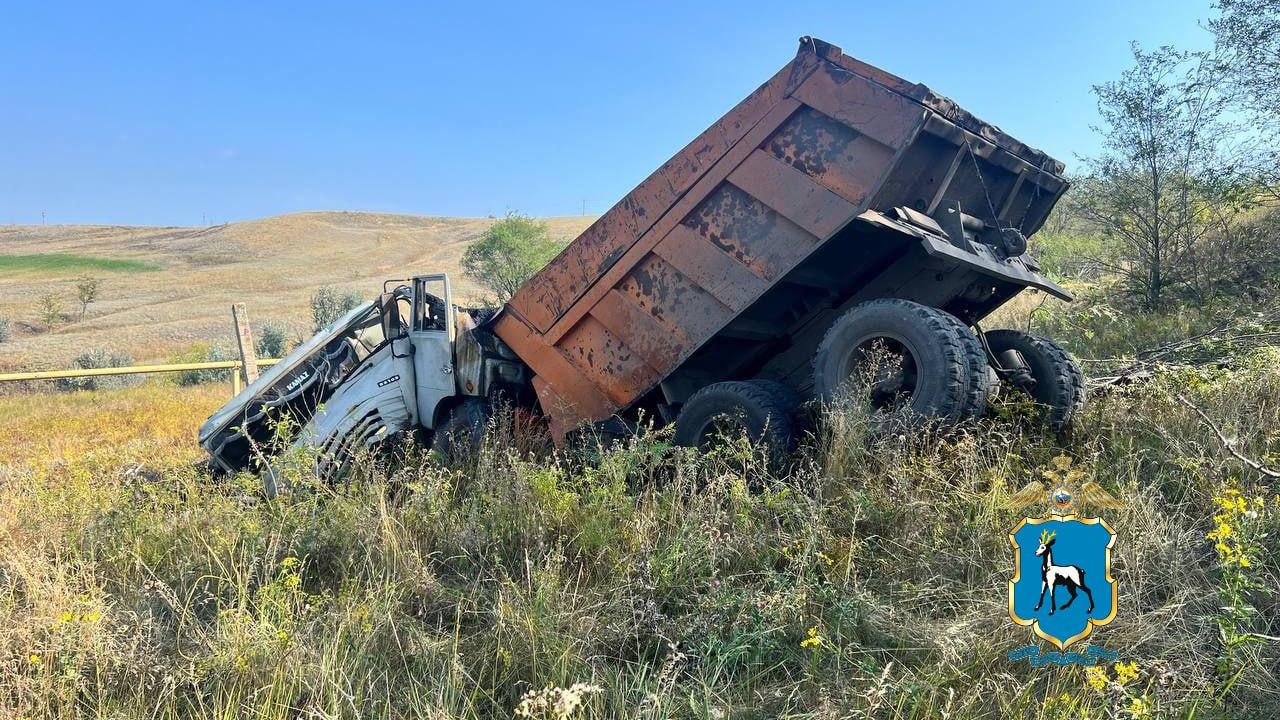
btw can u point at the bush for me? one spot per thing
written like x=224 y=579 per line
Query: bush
x=1072 y=256
x=50 y=309
x=6 y=330
x=508 y=254
x=328 y=304
x=94 y=359
x=202 y=352
x=274 y=340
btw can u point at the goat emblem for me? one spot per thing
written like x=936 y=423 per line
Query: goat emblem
x=1051 y=576
x=1073 y=556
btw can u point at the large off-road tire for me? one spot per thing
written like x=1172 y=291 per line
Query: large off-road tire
x=463 y=431
x=790 y=401
x=982 y=379
x=934 y=377
x=1059 y=383
x=753 y=407
x=783 y=393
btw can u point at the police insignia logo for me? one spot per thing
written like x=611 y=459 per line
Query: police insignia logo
x=1062 y=585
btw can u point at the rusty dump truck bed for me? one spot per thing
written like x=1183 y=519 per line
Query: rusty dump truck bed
x=732 y=259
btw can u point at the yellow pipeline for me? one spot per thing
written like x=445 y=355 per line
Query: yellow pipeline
x=130 y=370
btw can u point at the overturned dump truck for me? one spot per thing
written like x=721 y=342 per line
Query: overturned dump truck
x=837 y=213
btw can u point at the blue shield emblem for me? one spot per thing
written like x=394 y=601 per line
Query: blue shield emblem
x=1062 y=585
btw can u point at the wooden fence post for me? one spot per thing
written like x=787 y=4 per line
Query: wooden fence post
x=244 y=338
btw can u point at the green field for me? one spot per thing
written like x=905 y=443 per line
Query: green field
x=63 y=263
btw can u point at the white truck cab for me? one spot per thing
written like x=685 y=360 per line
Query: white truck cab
x=399 y=363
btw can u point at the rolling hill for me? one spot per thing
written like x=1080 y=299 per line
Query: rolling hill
x=164 y=288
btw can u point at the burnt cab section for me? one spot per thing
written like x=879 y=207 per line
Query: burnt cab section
x=833 y=183
x=293 y=390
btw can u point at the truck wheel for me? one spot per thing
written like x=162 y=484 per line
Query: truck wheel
x=726 y=408
x=782 y=393
x=930 y=372
x=790 y=401
x=463 y=432
x=1059 y=383
x=982 y=379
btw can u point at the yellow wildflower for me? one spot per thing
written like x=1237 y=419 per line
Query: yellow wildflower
x=35 y=659
x=814 y=640
x=1126 y=672
x=1096 y=677
x=1139 y=708
x=1223 y=529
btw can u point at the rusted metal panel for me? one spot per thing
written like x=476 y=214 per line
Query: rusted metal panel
x=942 y=106
x=607 y=361
x=840 y=158
x=574 y=398
x=659 y=346
x=700 y=241
x=751 y=232
x=793 y=194
x=674 y=299
x=871 y=109
x=561 y=414
x=727 y=277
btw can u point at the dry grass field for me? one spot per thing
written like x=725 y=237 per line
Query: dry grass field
x=868 y=581
x=165 y=288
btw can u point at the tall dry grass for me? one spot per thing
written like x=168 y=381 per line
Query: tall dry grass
x=867 y=580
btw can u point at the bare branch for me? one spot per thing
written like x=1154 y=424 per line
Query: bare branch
x=1227 y=444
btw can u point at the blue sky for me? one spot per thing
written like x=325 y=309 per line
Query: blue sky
x=178 y=113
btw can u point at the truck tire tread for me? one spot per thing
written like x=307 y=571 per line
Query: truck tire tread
x=1059 y=380
x=769 y=419
x=931 y=326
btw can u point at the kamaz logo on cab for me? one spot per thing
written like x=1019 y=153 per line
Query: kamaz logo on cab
x=293 y=384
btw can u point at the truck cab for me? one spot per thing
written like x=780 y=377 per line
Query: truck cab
x=386 y=367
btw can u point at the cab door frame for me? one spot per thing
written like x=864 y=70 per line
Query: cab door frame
x=433 y=342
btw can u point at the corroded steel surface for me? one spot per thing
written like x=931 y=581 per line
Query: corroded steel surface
x=825 y=140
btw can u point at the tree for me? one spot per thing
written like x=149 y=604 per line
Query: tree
x=1162 y=185
x=49 y=307
x=508 y=253
x=1247 y=55
x=274 y=340
x=86 y=292
x=329 y=304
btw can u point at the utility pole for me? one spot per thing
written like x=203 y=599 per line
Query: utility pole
x=43 y=219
